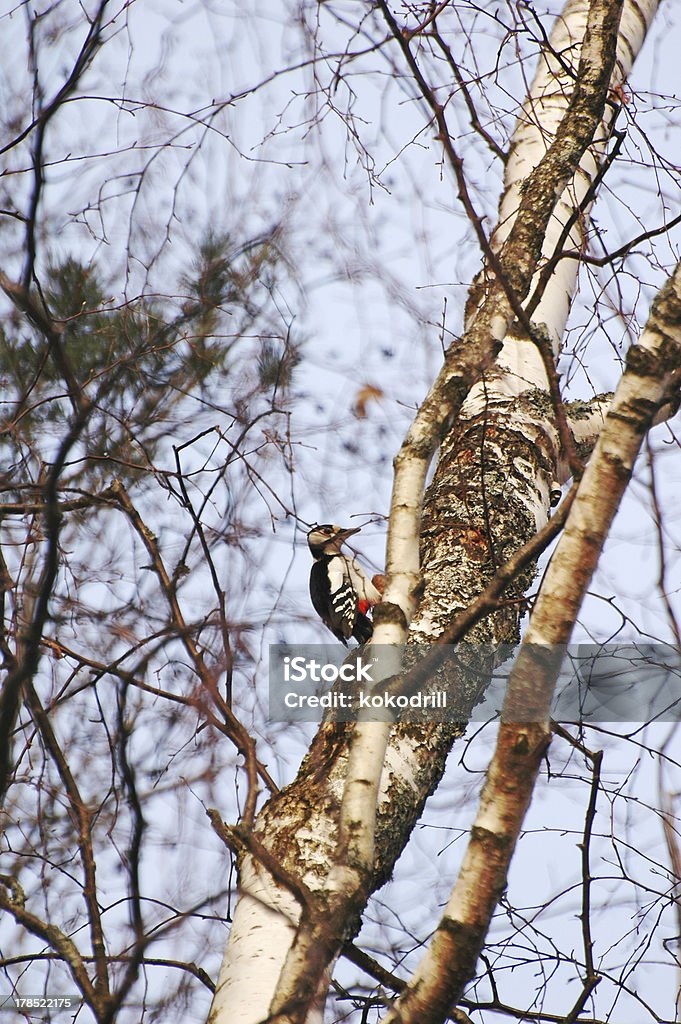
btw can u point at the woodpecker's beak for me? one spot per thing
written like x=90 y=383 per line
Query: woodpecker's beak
x=343 y=535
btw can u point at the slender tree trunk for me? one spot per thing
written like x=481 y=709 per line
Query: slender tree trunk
x=649 y=383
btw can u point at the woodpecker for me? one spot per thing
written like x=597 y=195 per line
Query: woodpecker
x=341 y=592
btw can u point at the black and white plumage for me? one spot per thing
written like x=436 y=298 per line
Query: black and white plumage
x=341 y=591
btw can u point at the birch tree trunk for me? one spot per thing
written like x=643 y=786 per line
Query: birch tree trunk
x=506 y=446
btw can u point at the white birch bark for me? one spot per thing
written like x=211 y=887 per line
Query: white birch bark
x=520 y=366
x=536 y=130
x=387 y=783
x=263 y=928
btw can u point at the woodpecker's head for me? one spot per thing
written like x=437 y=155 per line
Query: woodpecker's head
x=328 y=539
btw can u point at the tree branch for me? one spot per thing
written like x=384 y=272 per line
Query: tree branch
x=651 y=377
